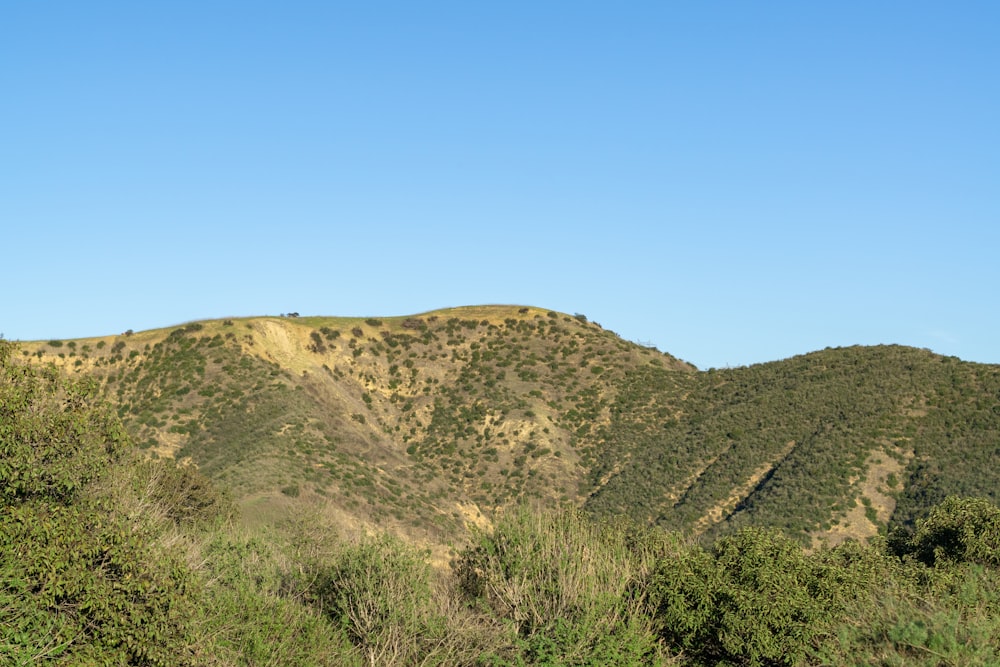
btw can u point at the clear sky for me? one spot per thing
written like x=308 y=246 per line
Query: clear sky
x=733 y=182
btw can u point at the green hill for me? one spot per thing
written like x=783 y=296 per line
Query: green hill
x=112 y=554
x=427 y=424
x=803 y=444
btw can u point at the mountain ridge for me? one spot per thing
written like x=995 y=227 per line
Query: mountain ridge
x=431 y=423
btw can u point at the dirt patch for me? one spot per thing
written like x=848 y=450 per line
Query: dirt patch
x=874 y=503
x=168 y=444
x=724 y=508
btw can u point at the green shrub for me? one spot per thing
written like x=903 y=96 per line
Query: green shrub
x=255 y=615
x=186 y=495
x=959 y=530
x=55 y=437
x=82 y=582
x=755 y=598
x=91 y=588
x=905 y=613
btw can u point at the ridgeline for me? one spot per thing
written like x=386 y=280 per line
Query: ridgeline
x=427 y=424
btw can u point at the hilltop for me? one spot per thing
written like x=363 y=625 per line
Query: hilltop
x=430 y=423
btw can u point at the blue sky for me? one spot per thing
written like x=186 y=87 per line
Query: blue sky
x=733 y=182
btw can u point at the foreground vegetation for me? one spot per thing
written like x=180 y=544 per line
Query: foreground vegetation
x=107 y=557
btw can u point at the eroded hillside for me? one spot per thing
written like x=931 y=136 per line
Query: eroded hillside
x=424 y=422
x=429 y=423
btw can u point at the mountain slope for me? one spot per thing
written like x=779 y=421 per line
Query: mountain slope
x=793 y=443
x=427 y=423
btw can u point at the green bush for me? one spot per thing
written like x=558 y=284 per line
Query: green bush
x=959 y=530
x=755 y=598
x=254 y=616
x=55 y=437
x=80 y=581
x=90 y=590
x=903 y=613
x=186 y=495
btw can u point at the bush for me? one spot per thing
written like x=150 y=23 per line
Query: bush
x=187 y=496
x=905 y=613
x=55 y=438
x=754 y=599
x=83 y=582
x=379 y=592
x=317 y=345
x=959 y=530
x=256 y=616
x=571 y=589
x=91 y=588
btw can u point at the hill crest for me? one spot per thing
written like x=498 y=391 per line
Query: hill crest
x=429 y=423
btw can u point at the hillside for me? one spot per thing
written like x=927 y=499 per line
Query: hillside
x=429 y=423
x=110 y=557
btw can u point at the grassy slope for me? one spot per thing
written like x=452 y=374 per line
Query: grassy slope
x=430 y=422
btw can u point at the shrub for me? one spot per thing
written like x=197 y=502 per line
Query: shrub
x=317 y=345
x=754 y=599
x=959 y=530
x=82 y=581
x=90 y=588
x=379 y=591
x=572 y=589
x=186 y=495
x=55 y=437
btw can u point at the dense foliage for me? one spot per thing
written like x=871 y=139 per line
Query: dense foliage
x=79 y=581
x=810 y=424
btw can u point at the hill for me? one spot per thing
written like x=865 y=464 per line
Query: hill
x=429 y=423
